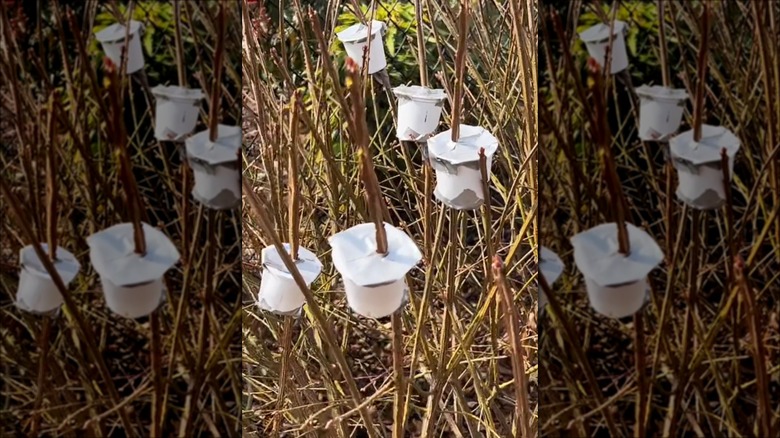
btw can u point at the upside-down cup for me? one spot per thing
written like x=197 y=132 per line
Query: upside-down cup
x=616 y=284
x=279 y=293
x=458 y=176
x=660 y=111
x=596 y=39
x=419 y=111
x=177 y=111
x=112 y=38
x=37 y=291
x=375 y=284
x=132 y=282
x=699 y=168
x=551 y=267
x=216 y=167
x=356 y=39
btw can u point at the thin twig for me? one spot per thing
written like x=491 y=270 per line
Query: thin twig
x=292 y=180
x=370 y=180
x=667 y=80
x=216 y=88
x=512 y=326
x=418 y=10
x=701 y=64
x=460 y=64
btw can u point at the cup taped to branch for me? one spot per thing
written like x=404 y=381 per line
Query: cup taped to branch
x=551 y=267
x=355 y=39
x=37 y=292
x=177 y=111
x=112 y=38
x=596 y=39
x=279 y=293
x=458 y=176
x=660 y=111
x=216 y=167
x=616 y=283
x=132 y=283
x=419 y=111
x=699 y=168
x=375 y=285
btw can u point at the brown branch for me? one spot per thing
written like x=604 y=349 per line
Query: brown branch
x=219 y=53
x=118 y=136
x=292 y=181
x=667 y=80
x=51 y=185
x=759 y=350
x=460 y=62
x=602 y=137
x=512 y=323
x=358 y=116
x=701 y=65
x=418 y=9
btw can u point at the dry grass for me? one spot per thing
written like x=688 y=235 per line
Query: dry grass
x=101 y=376
x=702 y=374
x=330 y=372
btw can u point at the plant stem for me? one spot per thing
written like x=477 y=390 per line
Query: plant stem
x=460 y=63
x=157 y=373
x=185 y=166
x=418 y=9
x=284 y=366
x=51 y=184
x=701 y=64
x=602 y=136
x=487 y=220
x=118 y=136
x=764 y=413
x=687 y=334
x=440 y=377
x=43 y=344
x=511 y=321
x=639 y=358
x=292 y=180
x=399 y=407
x=368 y=175
x=180 y=69
x=667 y=80
x=216 y=88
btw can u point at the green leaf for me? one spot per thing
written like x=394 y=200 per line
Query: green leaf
x=390 y=41
x=631 y=42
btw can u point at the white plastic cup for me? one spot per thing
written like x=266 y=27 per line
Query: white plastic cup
x=703 y=189
x=132 y=282
x=699 y=167
x=419 y=111
x=462 y=190
x=133 y=301
x=596 y=39
x=37 y=292
x=457 y=165
x=355 y=39
x=617 y=301
x=216 y=167
x=660 y=111
x=279 y=293
x=218 y=186
x=376 y=301
x=112 y=38
x=177 y=111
